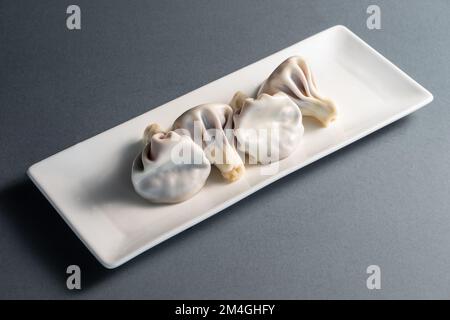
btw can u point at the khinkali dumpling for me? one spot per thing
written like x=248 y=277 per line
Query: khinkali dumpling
x=268 y=128
x=210 y=126
x=294 y=78
x=171 y=168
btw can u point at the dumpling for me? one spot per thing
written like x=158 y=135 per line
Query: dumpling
x=294 y=78
x=268 y=128
x=210 y=126
x=170 y=169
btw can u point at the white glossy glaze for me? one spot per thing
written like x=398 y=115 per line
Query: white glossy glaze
x=160 y=175
x=268 y=128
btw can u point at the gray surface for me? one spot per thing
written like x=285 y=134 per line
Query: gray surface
x=383 y=200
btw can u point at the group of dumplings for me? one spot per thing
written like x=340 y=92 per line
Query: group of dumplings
x=175 y=164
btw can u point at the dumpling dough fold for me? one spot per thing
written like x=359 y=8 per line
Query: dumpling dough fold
x=294 y=77
x=210 y=126
x=170 y=169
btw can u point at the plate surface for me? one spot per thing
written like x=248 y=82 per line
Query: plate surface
x=89 y=183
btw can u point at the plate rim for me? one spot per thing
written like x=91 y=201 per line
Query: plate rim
x=114 y=263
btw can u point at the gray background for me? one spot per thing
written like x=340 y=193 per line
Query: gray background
x=383 y=200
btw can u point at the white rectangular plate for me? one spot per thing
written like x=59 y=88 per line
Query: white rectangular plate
x=89 y=183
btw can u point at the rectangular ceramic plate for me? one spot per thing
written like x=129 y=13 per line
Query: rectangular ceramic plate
x=89 y=183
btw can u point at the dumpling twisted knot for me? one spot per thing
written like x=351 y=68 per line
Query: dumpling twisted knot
x=294 y=78
x=171 y=167
x=210 y=126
